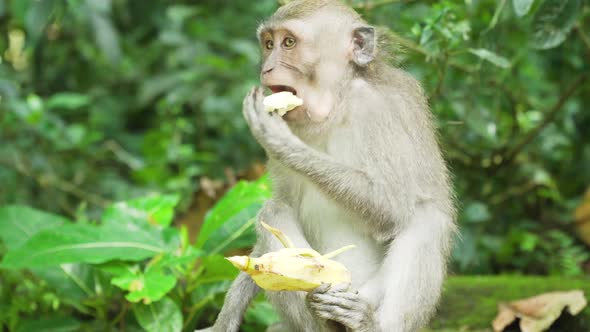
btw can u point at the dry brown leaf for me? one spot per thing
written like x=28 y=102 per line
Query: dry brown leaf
x=537 y=313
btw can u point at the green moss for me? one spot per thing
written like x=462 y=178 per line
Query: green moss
x=471 y=303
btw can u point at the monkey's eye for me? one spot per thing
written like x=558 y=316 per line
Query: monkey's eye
x=289 y=42
x=269 y=44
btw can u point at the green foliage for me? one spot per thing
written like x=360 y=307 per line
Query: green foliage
x=162 y=316
x=106 y=101
x=511 y=120
x=85 y=269
x=553 y=21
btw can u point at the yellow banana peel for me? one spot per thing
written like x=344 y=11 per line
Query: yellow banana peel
x=293 y=269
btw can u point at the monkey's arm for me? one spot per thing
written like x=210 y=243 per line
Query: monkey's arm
x=385 y=206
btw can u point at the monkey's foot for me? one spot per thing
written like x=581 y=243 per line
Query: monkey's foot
x=339 y=304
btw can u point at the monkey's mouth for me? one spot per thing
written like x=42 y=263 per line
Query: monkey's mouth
x=281 y=88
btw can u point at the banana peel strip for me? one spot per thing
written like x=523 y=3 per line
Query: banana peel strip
x=293 y=269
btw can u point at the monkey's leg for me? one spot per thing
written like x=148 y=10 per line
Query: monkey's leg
x=243 y=289
x=413 y=271
x=241 y=292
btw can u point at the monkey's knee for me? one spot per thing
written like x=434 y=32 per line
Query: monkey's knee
x=279 y=327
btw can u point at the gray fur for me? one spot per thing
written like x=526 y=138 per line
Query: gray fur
x=370 y=174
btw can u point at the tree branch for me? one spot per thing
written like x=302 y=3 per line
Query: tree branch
x=549 y=117
x=55 y=182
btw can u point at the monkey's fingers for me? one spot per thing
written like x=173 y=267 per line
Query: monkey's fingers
x=249 y=112
x=324 y=287
x=259 y=99
x=246 y=104
x=331 y=312
x=346 y=302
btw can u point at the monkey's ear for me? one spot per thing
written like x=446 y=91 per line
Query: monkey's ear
x=364 y=45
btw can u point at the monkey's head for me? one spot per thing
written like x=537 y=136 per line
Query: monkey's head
x=312 y=48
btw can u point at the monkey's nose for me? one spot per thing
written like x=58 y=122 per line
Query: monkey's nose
x=266 y=71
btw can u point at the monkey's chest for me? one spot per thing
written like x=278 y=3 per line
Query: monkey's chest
x=327 y=226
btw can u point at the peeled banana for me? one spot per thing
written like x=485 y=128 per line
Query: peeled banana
x=282 y=102
x=293 y=269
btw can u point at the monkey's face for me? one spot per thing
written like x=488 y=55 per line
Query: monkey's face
x=309 y=57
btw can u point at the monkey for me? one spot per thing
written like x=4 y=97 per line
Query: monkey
x=358 y=163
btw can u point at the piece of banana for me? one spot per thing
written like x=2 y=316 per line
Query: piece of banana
x=293 y=269
x=282 y=102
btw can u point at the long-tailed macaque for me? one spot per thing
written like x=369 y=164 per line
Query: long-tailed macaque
x=358 y=163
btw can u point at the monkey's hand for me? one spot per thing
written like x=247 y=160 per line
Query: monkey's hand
x=269 y=129
x=339 y=304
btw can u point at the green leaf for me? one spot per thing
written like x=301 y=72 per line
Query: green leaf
x=155 y=210
x=234 y=233
x=240 y=197
x=147 y=287
x=19 y=223
x=81 y=243
x=37 y=17
x=53 y=324
x=490 y=56
x=216 y=279
x=105 y=33
x=73 y=283
x=218 y=268
x=162 y=316
x=177 y=259
x=68 y=101
x=522 y=7
x=553 y=21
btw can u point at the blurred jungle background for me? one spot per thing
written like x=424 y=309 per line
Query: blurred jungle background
x=127 y=170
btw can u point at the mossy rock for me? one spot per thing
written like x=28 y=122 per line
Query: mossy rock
x=470 y=303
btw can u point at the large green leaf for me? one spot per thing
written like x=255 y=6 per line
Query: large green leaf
x=216 y=267
x=155 y=210
x=237 y=203
x=522 y=7
x=553 y=21
x=19 y=223
x=234 y=233
x=81 y=243
x=162 y=316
